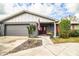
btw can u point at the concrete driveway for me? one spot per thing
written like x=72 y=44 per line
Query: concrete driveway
x=8 y=43
x=50 y=49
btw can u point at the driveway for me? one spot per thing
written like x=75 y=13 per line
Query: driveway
x=8 y=43
x=50 y=49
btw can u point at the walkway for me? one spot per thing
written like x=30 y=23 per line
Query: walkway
x=50 y=49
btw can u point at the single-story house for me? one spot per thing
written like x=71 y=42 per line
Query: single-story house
x=16 y=24
x=75 y=23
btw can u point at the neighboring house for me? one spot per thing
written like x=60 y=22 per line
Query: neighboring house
x=16 y=24
x=75 y=23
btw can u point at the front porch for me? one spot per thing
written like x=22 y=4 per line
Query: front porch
x=47 y=29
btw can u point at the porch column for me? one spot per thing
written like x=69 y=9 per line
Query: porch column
x=54 y=29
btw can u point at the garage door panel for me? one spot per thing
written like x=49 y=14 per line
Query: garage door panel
x=16 y=30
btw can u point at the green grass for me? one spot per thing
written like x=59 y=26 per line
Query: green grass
x=66 y=40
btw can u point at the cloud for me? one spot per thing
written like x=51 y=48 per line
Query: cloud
x=55 y=10
x=9 y=8
x=71 y=6
x=74 y=7
x=41 y=9
x=60 y=10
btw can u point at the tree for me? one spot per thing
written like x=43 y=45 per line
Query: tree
x=64 y=28
x=31 y=28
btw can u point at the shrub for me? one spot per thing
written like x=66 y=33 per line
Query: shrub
x=74 y=33
x=64 y=28
x=31 y=28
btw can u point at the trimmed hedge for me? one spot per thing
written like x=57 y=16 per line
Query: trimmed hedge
x=74 y=33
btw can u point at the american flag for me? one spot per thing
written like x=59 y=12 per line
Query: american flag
x=39 y=28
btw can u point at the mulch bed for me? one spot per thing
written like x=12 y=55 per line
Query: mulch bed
x=30 y=43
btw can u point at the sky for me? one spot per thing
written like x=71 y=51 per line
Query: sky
x=54 y=10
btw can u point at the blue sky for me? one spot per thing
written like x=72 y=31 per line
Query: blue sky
x=54 y=10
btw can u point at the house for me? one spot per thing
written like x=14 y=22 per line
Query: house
x=17 y=23
x=75 y=23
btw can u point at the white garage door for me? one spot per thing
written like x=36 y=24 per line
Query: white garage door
x=16 y=30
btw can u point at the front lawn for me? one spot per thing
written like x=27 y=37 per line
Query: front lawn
x=68 y=40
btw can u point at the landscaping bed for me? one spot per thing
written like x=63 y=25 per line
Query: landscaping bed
x=66 y=40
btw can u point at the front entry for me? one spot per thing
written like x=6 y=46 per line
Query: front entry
x=43 y=30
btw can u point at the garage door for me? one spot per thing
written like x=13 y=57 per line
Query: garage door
x=16 y=30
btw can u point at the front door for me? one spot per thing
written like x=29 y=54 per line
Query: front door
x=42 y=30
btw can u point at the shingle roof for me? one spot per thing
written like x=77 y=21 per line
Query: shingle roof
x=22 y=12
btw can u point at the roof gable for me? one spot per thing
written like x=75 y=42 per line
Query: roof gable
x=23 y=12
